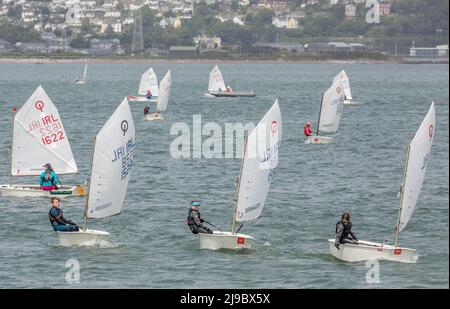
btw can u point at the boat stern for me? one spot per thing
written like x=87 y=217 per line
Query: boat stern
x=225 y=240
x=366 y=251
x=82 y=238
x=315 y=139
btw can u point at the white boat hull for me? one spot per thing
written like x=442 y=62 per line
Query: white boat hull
x=314 y=139
x=224 y=240
x=366 y=250
x=82 y=238
x=36 y=191
x=154 y=116
x=350 y=102
x=139 y=98
x=81 y=82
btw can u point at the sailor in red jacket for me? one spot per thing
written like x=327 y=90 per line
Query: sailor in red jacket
x=307 y=129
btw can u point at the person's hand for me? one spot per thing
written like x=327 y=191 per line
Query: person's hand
x=337 y=246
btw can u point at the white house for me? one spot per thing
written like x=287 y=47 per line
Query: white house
x=117 y=27
x=112 y=13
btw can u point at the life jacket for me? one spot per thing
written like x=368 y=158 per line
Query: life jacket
x=48 y=176
x=190 y=220
x=54 y=219
x=307 y=130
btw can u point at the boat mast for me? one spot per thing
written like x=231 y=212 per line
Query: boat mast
x=238 y=187
x=320 y=111
x=89 y=187
x=397 y=229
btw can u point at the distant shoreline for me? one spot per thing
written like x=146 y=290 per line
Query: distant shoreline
x=34 y=60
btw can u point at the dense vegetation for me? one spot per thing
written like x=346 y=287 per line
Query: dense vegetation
x=423 y=19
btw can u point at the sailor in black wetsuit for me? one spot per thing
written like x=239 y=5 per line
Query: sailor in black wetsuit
x=344 y=234
x=57 y=220
x=195 y=221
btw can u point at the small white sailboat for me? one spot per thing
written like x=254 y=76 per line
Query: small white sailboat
x=259 y=161
x=417 y=157
x=346 y=85
x=217 y=88
x=330 y=114
x=112 y=161
x=83 y=79
x=39 y=137
x=148 y=84
x=163 y=99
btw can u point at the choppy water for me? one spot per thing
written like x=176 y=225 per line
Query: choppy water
x=151 y=245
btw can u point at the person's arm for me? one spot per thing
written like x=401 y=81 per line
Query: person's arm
x=353 y=235
x=55 y=179
x=64 y=220
x=67 y=221
x=41 y=180
x=340 y=230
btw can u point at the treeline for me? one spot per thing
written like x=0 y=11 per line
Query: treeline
x=407 y=18
x=258 y=27
x=13 y=34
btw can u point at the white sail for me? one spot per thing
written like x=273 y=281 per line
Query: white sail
x=149 y=82
x=342 y=76
x=261 y=157
x=417 y=161
x=164 y=92
x=332 y=105
x=111 y=164
x=85 y=72
x=39 y=138
x=216 y=82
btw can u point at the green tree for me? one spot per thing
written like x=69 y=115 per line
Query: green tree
x=15 y=34
x=109 y=32
x=15 y=12
x=79 y=42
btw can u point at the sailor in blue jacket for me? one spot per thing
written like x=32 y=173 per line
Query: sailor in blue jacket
x=48 y=179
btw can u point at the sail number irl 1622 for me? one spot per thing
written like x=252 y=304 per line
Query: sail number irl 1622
x=48 y=127
x=53 y=138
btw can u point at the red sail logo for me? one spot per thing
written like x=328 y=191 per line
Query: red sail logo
x=39 y=105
